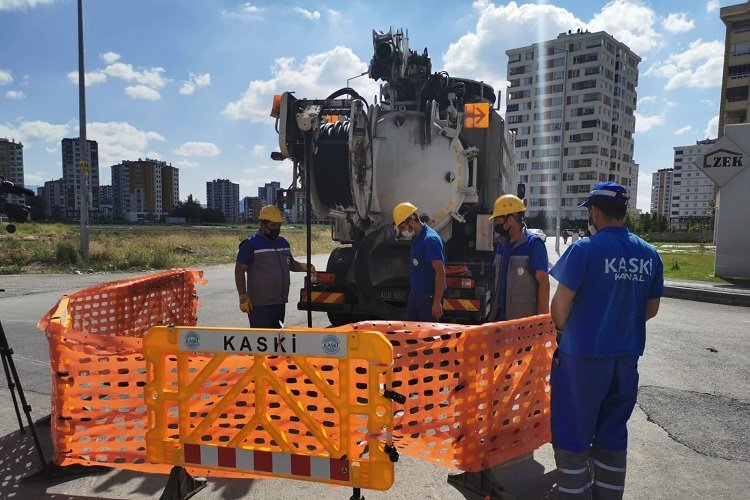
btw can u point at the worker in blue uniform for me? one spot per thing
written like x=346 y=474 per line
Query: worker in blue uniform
x=610 y=284
x=427 y=265
x=521 y=278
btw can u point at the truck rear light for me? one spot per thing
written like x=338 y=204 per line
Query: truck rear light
x=329 y=278
x=276 y=108
x=460 y=283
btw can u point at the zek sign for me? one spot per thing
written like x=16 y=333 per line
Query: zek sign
x=722 y=158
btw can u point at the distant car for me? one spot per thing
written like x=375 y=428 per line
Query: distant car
x=539 y=233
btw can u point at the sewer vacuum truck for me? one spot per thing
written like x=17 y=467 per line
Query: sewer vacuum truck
x=431 y=139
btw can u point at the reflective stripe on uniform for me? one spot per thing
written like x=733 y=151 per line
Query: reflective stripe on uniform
x=574 y=471
x=608 y=467
x=608 y=486
x=575 y=491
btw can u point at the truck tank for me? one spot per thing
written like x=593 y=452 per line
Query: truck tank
x=431 y=139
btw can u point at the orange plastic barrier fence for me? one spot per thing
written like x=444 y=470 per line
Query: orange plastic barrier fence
x=272 y=403
x=476 y=395
x=98 y=416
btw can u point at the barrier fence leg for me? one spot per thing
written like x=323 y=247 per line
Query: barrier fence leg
x=181 y=485
x=357 y=495
x=481 y=483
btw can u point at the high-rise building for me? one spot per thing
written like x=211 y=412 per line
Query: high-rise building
x=693 y=192
x=53 y=194
x=736 y=76
x=267 y=193
x=661 y=192
x=144 y=189
x=11 y=166
x=571 y=104
x=71 y=162
x=250 y=208
x=224 y=196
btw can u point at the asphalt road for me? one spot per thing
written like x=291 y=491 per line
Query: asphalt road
x=689 y=434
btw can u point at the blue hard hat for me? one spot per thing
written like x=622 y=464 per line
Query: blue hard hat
x=610 y=191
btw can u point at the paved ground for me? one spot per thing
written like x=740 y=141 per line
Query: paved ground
x=689 y=432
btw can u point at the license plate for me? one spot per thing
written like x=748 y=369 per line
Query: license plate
x=393 y=294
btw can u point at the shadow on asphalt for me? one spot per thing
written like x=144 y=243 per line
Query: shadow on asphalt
x=521 y=480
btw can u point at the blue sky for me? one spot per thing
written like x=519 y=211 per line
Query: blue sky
x=191 y=82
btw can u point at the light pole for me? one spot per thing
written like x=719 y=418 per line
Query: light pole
x=356 y=76
x=84 y=161
x=562 y=153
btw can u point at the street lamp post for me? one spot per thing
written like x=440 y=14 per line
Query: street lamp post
x=562 y=153
x=84 y=159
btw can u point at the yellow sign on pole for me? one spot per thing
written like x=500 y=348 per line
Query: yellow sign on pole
x=85 y=167
x=477 y=115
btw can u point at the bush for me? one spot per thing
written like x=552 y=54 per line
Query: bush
x=65 y=253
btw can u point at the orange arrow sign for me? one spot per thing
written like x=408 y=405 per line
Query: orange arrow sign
x=477 y=115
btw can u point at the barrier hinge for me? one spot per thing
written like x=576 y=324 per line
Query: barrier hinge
x=394 y=396
x=392 y=452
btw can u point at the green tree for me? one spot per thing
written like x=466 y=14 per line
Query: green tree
x=190 y=209
x=646 y=223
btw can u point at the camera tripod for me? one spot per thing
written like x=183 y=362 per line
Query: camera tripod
x=14 y=385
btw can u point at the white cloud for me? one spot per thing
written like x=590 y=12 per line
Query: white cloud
x=317 y=76
x=699 y=66
x=247 y=11
x=143 y=92
x=645 y=123
x=152 y=77
x=195 y=81
x=198 y=149
x=260 y=150
x=648 y=99
x=153 y=155
x=120 y=141
x=669 y=103
x=708 y=102
x=712 y=128
x=186 y=164
x=110 y=57
x=712 y=6
x=678 y=23
x=683 y=130
x=5 y=76
x=15 y=95
x=31 y=132
x=90 y=78
x=22 y=4
x=630 y=22
x=312 y=16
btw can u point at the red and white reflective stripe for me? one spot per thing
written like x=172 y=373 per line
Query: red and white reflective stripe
x=471 y=305
x=279 y=463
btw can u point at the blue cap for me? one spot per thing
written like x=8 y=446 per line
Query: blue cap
x=610 y=191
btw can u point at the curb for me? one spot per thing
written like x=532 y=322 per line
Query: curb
x=703 y=295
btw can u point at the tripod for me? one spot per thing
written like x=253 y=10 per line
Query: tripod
x=14 y=384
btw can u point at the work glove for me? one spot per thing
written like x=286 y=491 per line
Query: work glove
x=246 y=306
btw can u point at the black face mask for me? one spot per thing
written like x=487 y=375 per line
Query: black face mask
x=499 y=229
x=273 y=233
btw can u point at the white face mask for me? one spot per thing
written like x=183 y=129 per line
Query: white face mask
x=592 y=227
x=407 y=234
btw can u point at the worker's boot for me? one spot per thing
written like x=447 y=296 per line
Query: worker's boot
x=609 y=473
x=573 y=475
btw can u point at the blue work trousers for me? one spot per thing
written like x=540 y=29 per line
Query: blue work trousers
x=419 y=308
x=267 y=316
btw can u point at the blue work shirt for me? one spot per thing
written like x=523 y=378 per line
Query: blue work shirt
x=533 y=247
x=425 y=248
x=614 y=274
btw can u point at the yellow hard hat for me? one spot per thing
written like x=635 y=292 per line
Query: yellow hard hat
x=403 y=211
x=271 y=213
x=507 y=204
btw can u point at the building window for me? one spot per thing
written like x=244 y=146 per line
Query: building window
x=740 y=70
x=737 y=93
x=740 y=26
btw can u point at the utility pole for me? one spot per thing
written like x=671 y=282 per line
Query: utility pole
x=558 y=216
x=84 y=159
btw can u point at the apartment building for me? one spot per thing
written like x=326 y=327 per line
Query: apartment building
x=661 y=192
x=571 y=104
x=736 y=76
x=53 y=194
x=267 y=193
x=144 y=189
x=693 y=193
x=71 y=162
x=11 y=166
x=224 y=196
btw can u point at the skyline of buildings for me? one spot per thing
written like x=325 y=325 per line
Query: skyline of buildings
x=71 y=167
x=571 y=104
x=144 y=189
x=224 y=195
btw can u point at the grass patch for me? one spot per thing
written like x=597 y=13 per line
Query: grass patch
x=692 y=261
x=55 y=248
